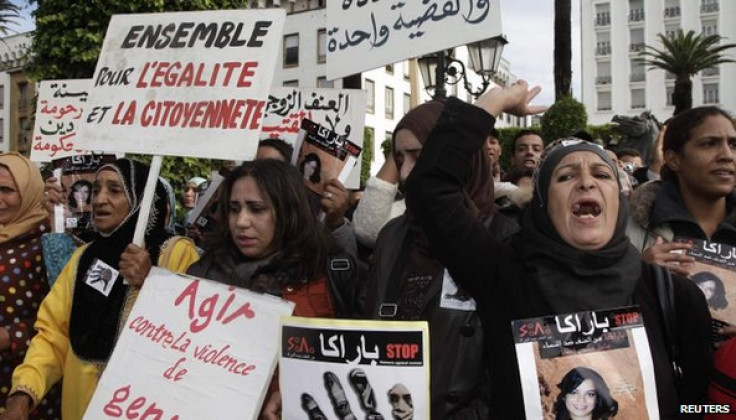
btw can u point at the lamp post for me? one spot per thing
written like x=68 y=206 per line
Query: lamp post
x=484 y=59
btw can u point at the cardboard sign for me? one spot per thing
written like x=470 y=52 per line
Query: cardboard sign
x=564 y=359
x=714 y=272
x=191 y=348
x=364 y=35
x=346 y=369
x=183 y=84
x=59 y=111
x=340 y=110
x=323 y=155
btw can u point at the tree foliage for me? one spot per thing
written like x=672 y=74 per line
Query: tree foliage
x=685 y=54
x=367 y=157
x=563 y=49
x=566 y=117
x=9 y=15
x=68 y=36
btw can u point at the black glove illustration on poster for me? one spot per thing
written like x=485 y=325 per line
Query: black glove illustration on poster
x=366 y=370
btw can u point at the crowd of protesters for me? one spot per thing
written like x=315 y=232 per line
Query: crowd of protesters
x=443 y=233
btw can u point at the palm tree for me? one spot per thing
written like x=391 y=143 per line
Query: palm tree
x=9 y=12
x=563 y=49
x=685 y=54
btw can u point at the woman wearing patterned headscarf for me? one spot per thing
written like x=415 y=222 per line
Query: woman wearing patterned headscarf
x=23 y=282
x=571 y=254
x=72 y=345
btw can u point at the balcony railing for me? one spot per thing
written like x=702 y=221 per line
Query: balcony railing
x=603 y=49
x=602 y=19
x=636 y=15
x=638 y=106
x=603 y=80
x=637 y=77
x=673 y=11
x=709 y=7
x=604 y=108
x=713 y=71
x=636 y=47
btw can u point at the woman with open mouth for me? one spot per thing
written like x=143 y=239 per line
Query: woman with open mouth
x=571 y=254
x=78 y=321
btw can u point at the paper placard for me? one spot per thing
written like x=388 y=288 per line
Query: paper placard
x=364 y=35
x=365 y=368
x=340 y=110
x=59 y=111
x=183 y=84
x=195 y=348
x=565 y=359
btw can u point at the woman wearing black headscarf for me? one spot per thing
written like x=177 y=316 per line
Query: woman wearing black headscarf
x=407 y=282
x=78 y=321
x=572 y=253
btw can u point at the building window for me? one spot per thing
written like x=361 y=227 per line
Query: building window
x=405 y=66
x=670 y=96
x=604 y=101
x=2 y=97
x=407 y=103
x=321 y=46
x=370 y=101
x=291 y=50
x=638 y=100
x=23 y=95
x=2 y=130
x=389 y=103
x=710 y=93
x=710 y=28
x=323 y=83
x=390 y=68
x=291 y=83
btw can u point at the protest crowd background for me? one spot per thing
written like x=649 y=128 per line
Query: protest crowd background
x=186 y=240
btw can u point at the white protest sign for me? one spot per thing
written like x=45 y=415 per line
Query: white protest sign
x=191 y=348
x=183 y=84
x=58 y=116
x=341 y=110
x=363 y=35
x=347 y=369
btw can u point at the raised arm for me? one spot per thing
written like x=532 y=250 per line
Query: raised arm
x=434 y=190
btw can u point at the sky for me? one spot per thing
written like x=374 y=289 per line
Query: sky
x=529 y=27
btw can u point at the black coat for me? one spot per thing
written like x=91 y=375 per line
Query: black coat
x=459 y=383
x=494 y=273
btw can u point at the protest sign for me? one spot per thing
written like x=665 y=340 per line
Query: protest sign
x=340 y=110
x=714 y=272
x=59 y=111
x=191 y=348
x=343 y=369
x=321 y=155
x=183 y=84
x=363 y=35
x=563 y=357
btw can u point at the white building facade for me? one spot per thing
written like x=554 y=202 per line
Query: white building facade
x=613 y=33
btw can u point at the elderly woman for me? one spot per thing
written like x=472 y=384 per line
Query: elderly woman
x=78 y=321
x=24 y=284
x=572 y=253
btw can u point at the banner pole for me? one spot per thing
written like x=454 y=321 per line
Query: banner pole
x=148 y=195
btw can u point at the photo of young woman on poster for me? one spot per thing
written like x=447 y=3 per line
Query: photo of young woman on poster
x=311 y=167
x=584 y=395
x=713 y=289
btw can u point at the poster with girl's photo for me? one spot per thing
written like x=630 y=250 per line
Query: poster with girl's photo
x=323 y=155
x=593 y=365
x=77 y=176
x=714 y=272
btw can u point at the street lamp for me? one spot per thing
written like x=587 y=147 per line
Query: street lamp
x=442 y=68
